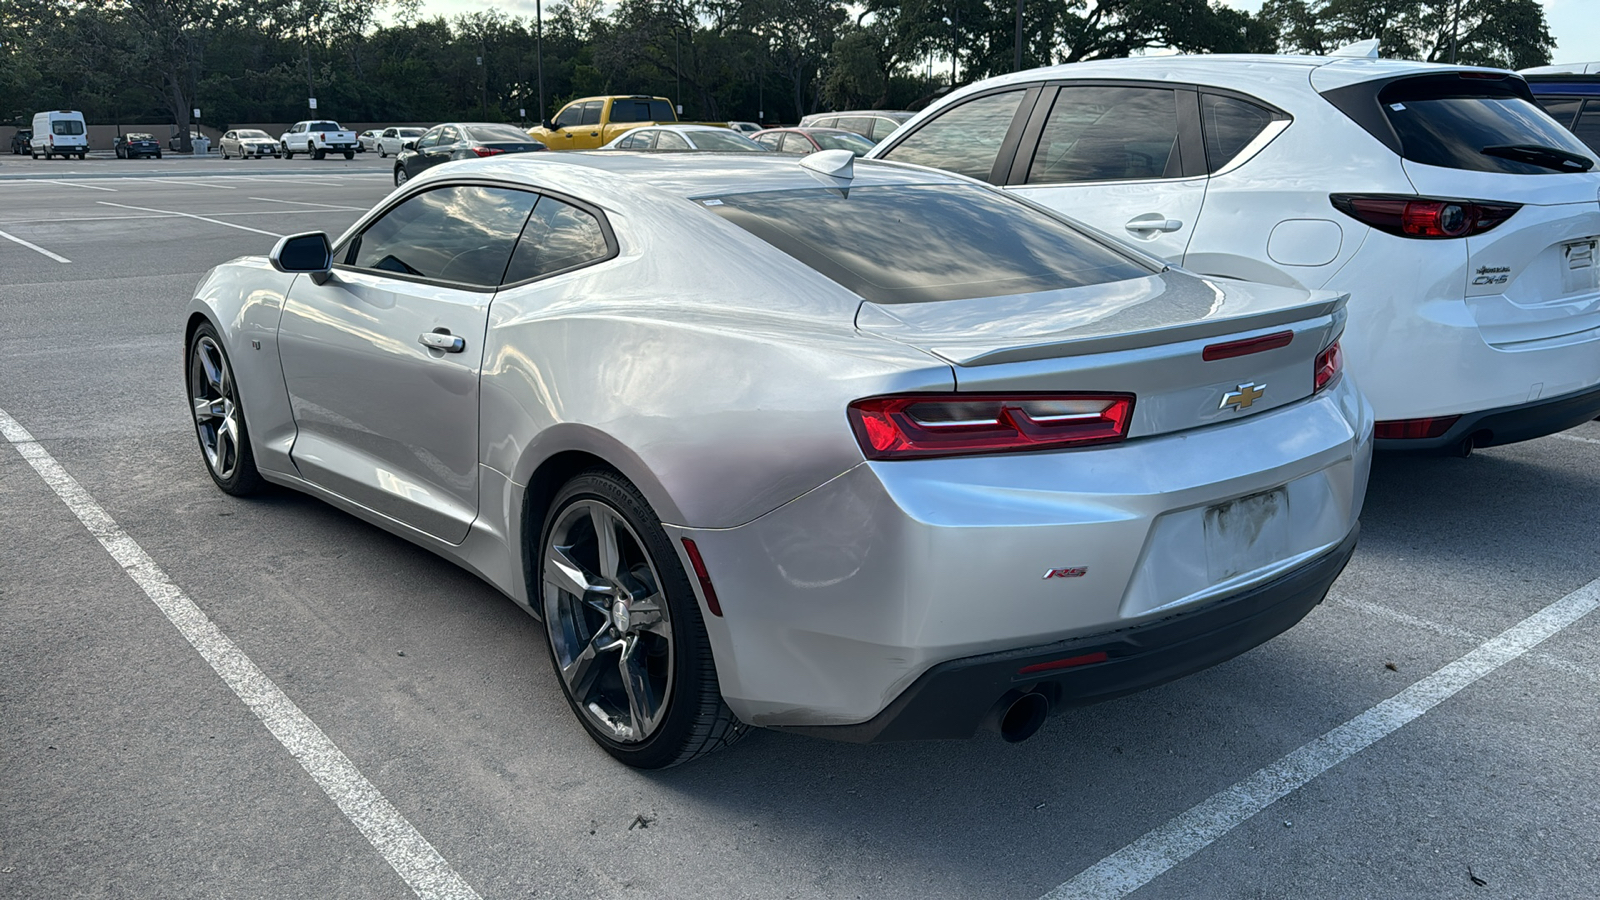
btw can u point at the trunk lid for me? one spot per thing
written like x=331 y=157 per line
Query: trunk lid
x=1144 y=336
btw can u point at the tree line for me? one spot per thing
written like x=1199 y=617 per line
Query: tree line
x=384 y=60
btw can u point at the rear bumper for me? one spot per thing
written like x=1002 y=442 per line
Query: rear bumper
x=953 y=698
x=1506 y=425
x=837 y=602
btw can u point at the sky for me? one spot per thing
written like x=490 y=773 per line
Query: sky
x=1574 y=23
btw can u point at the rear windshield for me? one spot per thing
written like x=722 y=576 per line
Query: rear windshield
x=496 y=133
x=413 y=132
x=920 y=243
x=1478 y=125
x=137 y=136
x=66 y=127
x=324 y=126
x=641 y=110
x=842 y=140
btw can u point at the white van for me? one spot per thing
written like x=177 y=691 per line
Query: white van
x=60 y=133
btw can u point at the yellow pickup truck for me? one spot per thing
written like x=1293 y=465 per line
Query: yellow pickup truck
x=594 y=121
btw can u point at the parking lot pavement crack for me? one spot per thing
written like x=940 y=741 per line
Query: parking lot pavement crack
x=411 y=856
x=1164 y=847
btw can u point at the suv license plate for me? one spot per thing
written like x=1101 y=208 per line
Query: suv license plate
x=1246 y=534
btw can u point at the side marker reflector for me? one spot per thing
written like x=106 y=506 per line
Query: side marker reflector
x=1068 y=663
x=705 y=577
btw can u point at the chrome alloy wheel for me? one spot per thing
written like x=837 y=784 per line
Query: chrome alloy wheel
x=216 y=408
x=608 y=621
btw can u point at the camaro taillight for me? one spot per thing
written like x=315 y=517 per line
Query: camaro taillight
x=1423 y=217
x=487 y=151
x=914 y=426
x=1330 y=362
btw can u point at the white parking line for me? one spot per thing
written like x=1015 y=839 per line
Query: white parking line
x=174 y=212
x=309 y=203
x=34 y=247
x=1394 y=615
x=1140 y=862
x=77 y=184
x=401 y=845
x=1573 y=437
x=204 y=184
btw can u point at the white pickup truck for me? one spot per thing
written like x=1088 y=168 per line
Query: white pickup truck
x=318 y=137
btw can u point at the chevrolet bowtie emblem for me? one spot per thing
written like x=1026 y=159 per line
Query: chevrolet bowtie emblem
x=1243 y=397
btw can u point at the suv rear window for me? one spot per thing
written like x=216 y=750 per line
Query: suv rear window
x=1477 y=124
x=926 y=242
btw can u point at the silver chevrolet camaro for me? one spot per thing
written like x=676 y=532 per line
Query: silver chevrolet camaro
x=859 y=450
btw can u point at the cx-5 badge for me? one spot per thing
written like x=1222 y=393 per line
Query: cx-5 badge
x=1243 y=396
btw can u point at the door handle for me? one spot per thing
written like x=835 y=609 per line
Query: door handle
x=441 y=339
x=1152 y=222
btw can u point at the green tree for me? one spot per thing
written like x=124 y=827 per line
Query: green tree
x=1505 y=33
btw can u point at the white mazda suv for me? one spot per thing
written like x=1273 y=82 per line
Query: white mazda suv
x=1460 y=218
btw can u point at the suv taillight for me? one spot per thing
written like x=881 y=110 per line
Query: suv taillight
x=1423 y=217
x=1330 y=362
x=913 y=426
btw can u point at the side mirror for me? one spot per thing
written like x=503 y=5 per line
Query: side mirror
x=308 y=253
x=408 y=145
x=547 y=125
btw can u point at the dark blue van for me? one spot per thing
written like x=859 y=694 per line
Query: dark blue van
x=1571 y=97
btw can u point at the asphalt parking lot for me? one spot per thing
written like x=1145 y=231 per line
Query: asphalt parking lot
x=1428 y=732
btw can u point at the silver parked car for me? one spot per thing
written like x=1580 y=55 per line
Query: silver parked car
x=960 y=461
x=248 y=143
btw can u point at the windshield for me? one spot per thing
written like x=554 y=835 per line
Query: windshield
x=918 y=243
x=66 y=127
x=842 y=140
x=1483 y=128
x=254 y=133
x=722 y=139
x=412 y=132
x=500 y=133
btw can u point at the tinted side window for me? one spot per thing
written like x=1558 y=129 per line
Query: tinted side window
x=462 y=233
x=882 y=128
x=1230 y=125
x=796 y=144
x=1562 y=109
x=591 y=112
x=559 y=236
x=1108 y=134
x=430 y=139
x=570 y=116
x=770 y=141
x=964 y=139
x=668 y=140
x=858 y=124
x=1587 y=128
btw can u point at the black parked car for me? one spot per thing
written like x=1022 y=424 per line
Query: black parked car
x=135 y=145
x=22 y=141
x=459 y=140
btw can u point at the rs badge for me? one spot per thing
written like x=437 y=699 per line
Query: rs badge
x=1243 y=397
x=1068 y=572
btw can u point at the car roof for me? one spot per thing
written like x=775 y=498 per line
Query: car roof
x=681 y=126
x=635 y=180
x=1225 y=70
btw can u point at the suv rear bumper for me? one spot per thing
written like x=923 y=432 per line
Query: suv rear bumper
x=952 y=699
x=1506 y=425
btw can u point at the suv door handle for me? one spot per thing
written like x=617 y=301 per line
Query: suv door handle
x=442 y=339
x=1152 y=222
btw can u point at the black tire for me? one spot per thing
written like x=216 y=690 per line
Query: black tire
x=158 y=154
x=382 y=153
x=349 y=154
x=319 y=153
x=400 y=176
x=692 y=718
x=231 y=461
x=287 y=153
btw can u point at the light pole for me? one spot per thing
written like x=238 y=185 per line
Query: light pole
x=538 y=18
x=1017 y=66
